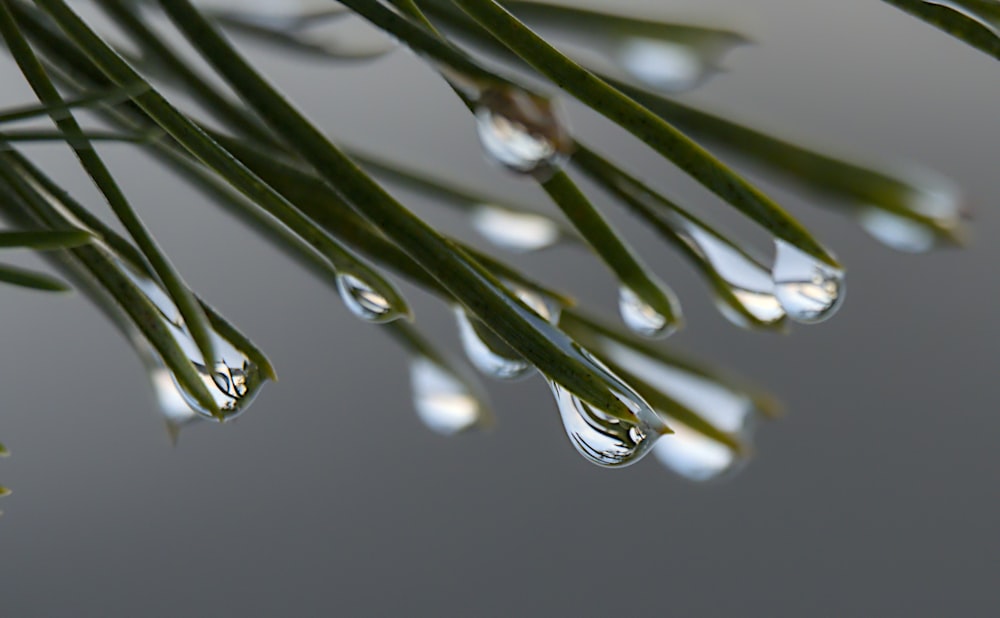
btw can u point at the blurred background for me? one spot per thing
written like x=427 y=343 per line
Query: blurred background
x=877 y=494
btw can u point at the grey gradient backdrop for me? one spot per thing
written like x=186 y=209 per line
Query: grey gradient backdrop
x=876 y=496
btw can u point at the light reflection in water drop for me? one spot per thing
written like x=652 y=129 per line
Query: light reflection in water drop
x=522 y=132
x=897 y=232
x=809 y=290
x=515 y=231
x=443 y=402
x=640 y=317
x=661 y=65
x=363 y=300
x=487 y=352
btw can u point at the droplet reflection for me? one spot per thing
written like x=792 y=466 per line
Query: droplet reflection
x=487 y=352
x=365 y=301
x=809 y=290
x=443 y=402
x=640 y=317
x=522 y=132
x=515 y=231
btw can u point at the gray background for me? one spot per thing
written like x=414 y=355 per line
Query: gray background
x=877 y=495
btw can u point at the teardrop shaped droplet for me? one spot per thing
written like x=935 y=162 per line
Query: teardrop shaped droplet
x=602 y=438
x=443 y=402
x=809 y=290
x=233 y=379
x=665 y=66
x=694 y=456
x=364 y=301
x=640 y=317
x=522 y=132
x=515 y=231
x=897 y=232
x=487 y=352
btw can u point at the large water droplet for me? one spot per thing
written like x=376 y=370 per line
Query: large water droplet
x=662 y=65
x=640 y=317
x=487 y=352
x=688 y=452
x=604 y=439
x=897 y=232
x=981 y=16
x=515 y=231
x=364 y=301
x=809 y=290
x=522 y=132
x=443 y=402
x=232 y=378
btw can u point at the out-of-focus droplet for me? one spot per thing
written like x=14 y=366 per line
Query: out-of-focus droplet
x=521 y=131
x=897 y=232
x=809 y=290
x=3 y=451
x=364 y=300
x=444 y=403
x=547 y=308
x=515 y=231
x=640 y=317
x=487 y=352
x=662 y=65
x=694 y=456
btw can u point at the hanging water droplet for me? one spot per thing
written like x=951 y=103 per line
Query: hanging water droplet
x=515 y=231
x=980 y=16
x=809 y=290
x=640 y=317
x=443 y=402
x=694 y=456
x=602 y=438
x=487 y=352
x=364 y=301
x=522 y=132
x=897 y=232
x=233 y=379
x=662 y=65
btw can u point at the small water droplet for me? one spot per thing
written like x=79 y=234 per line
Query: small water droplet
x=897 y=232
x=662 y=65
x=515 y=231
x=522 y=132
x=640 y=317
x=487 y=352
x=990 y=22
x=232 y=379
x=364 y=301
x=601 y=438
x=809 y=290
x=443 y=402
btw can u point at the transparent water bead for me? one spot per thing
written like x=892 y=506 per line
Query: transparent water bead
x=365 y=301
x=547 y=308
x=897 y=232
x=522 y=132
x=687 y=452
x=487 y=352
x=662 y=65
x=809 y=290
x=640 y=317
x=443 y=402
x=515 y=231
x=982 y=16
x=232 y=379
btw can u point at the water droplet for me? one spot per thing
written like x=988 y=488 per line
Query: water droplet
x=640 y=317
x=897 y=232
x=4 y=492
x=688 y=452
x=809 y=290
x=443 y=402
x=990 y=22
x=364 y=301
x=515 y=231
x=487 y=352
x=522 y=132
x=547 y=308
x=232 y=379
x=662 y=65
x=601 y=438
